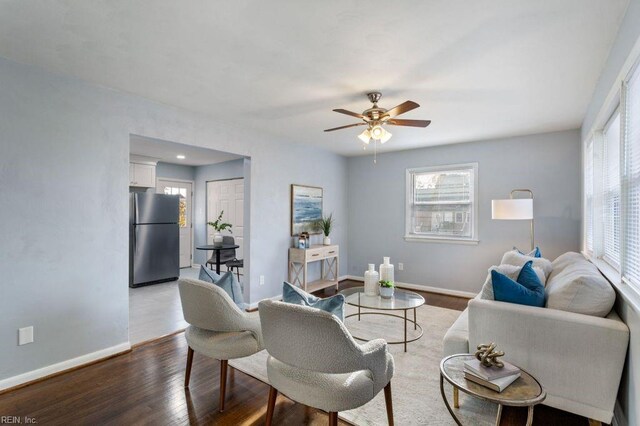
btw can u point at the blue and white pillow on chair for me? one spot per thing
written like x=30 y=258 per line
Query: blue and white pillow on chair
x=228 y=282
x=295 y=295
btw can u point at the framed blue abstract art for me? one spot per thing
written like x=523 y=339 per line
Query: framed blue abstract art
x=306 y=209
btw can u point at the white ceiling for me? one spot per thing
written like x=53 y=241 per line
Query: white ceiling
x=167 y=152
x=480 y=69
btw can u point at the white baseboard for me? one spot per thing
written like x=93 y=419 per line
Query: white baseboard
x=421 y=287
x=619 y=419
x=62 y=366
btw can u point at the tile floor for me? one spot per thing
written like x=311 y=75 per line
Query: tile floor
x=155 y=310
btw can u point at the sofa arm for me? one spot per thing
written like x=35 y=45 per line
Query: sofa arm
x=577 y=358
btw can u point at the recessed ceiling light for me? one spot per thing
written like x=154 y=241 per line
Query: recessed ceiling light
x=180 y=157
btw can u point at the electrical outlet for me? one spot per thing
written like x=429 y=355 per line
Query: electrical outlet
x=261 y=279
x=400 y=266
x=25 y=335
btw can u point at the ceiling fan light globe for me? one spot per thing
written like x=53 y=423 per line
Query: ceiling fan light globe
x=365 y=136
x=386 y=137
x=377 y=132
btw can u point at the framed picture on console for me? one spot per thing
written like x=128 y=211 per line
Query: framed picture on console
x=306 y=208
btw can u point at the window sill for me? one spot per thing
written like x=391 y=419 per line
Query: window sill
x=441 y=240
x=630 y=295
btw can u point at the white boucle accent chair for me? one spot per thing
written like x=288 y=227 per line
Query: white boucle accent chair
x=314 y=360
x=218 y=328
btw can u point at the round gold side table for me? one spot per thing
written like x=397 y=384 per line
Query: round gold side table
x=526 y=391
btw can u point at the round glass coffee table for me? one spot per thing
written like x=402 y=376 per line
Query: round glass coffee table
x=526 y=391
x=402 y=300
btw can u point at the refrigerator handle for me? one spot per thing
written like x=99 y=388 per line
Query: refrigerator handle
x=135 y=209
x=135 y=232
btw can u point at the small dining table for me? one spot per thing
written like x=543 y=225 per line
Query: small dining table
x=217 y=250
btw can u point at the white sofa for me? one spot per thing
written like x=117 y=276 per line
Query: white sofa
x=577 y=358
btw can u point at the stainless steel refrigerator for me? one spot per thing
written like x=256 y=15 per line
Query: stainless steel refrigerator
x=154 y=239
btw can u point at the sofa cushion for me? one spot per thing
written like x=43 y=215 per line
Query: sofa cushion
x=334 y=304
x=513 y=257
x=563 y=261
x=527 y=290
x=510 y=271
x=577 y=286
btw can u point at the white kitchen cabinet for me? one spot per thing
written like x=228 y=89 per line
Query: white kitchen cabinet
x=142 y=175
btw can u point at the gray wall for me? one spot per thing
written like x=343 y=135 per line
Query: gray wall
x=175 y=171
x=627 y=37
x=203 y=174
x=64 y=174
x=548 y=164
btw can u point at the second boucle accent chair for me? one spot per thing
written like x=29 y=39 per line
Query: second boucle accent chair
x=218 y=328
x=314 y=360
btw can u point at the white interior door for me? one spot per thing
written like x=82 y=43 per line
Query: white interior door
x=227 y=196
x=184 y=190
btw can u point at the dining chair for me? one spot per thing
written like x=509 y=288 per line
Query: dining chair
x=217 y=327
x=236 y=264
x=314 y=360
x=225 y=255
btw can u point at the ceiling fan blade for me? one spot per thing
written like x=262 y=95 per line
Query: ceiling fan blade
x=401 y=109
x=412 y=123
x=351 y=113
x=345 y=127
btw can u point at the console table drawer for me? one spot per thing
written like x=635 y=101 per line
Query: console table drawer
x=321 y=252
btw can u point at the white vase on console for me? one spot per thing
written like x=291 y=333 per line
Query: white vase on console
x=371 y=279
x=386 y=270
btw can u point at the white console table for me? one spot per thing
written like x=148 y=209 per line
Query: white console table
x=300 y=258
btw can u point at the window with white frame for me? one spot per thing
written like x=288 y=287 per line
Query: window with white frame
x=612 y=187
x=588 y=197
x=441 y=203
x=631 y=180
x=611 y=208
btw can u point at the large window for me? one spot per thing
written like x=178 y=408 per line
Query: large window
x=441 y=203
x=612 y=187
x=611 y=192
x=631 y=181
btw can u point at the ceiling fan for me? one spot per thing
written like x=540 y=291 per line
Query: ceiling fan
x=375 y=118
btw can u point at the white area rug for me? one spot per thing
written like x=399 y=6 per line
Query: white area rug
x=415 y=384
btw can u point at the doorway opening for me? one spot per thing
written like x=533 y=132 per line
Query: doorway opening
x=184 y=190
x=180 y=174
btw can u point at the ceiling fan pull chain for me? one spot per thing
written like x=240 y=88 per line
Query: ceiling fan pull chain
x=375 y=151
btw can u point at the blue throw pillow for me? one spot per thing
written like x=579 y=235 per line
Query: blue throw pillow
x=534 y=253
x=334 y=304
x=528 y=290
x=228 y=282
x=208 y=275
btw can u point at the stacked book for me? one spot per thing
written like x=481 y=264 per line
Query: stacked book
x=497 y=379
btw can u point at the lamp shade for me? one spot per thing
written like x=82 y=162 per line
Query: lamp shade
x=512 y=209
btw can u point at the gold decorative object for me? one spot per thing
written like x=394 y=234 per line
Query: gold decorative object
x=488 y=356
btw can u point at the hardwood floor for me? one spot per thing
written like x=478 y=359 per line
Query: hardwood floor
x=146 y=386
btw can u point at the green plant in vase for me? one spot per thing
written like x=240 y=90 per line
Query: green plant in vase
x=325 y=225
x=386 y=289
x=219 y=226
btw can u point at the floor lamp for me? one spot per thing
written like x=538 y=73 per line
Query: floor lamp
x=515 y=209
